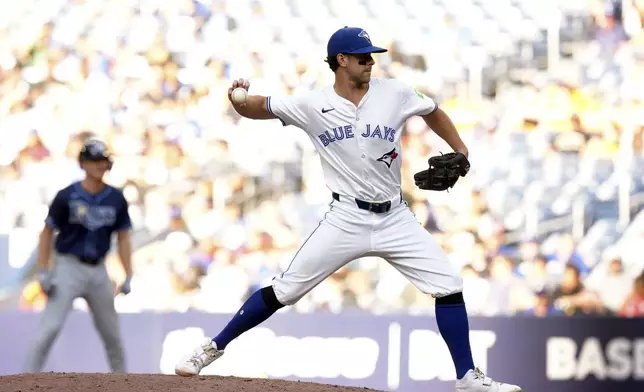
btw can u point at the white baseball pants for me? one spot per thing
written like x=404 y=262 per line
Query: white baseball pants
x=347 y=233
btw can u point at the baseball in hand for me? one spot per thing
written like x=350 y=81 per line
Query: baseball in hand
x=239 y=95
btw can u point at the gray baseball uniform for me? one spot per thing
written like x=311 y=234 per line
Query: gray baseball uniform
x=85 y=223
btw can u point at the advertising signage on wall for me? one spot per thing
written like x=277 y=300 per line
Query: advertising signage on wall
x=389 y=353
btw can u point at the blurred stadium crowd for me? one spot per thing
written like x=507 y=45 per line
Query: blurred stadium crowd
x=548 y=96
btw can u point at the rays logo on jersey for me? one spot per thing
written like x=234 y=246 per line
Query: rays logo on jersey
x=388 y=157
x=91 y=217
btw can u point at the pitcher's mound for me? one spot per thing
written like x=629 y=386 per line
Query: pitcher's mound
x=92 y=382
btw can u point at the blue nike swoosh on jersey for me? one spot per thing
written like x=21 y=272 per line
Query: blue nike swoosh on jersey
x=327 y=110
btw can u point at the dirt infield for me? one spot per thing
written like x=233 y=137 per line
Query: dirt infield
x=84 y=382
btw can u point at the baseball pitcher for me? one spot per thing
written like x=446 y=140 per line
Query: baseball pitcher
x=355 y=125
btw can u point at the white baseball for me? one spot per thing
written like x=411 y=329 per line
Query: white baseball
x=239 y=95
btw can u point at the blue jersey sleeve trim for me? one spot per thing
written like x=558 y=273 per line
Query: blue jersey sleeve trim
x=270 y=110
x=50 y=223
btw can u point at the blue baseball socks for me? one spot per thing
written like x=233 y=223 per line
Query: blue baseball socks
x=257 y=309
x=451 y=317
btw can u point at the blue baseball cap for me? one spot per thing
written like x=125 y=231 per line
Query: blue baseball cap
x=351 y=40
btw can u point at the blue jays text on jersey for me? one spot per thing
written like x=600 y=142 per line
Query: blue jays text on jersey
x=346 y=132
x=352 y=139
x=86 y=222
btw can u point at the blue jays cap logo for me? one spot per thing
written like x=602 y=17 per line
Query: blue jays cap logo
x=351 y=40
x=364 y=35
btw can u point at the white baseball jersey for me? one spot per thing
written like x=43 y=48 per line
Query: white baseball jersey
x=360 y=153
x=359 y=146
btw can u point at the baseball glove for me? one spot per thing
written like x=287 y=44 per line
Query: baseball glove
x=443 y=172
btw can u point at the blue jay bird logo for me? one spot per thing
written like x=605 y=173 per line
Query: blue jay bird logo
x=364 y=35
x=388 y=157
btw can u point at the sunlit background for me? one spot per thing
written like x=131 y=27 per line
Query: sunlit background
x=548 y=95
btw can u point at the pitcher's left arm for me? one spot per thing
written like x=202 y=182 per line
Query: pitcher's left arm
x=443 y=126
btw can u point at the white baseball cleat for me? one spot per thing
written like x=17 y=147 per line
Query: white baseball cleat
x=476 y=381
x=202 y=356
